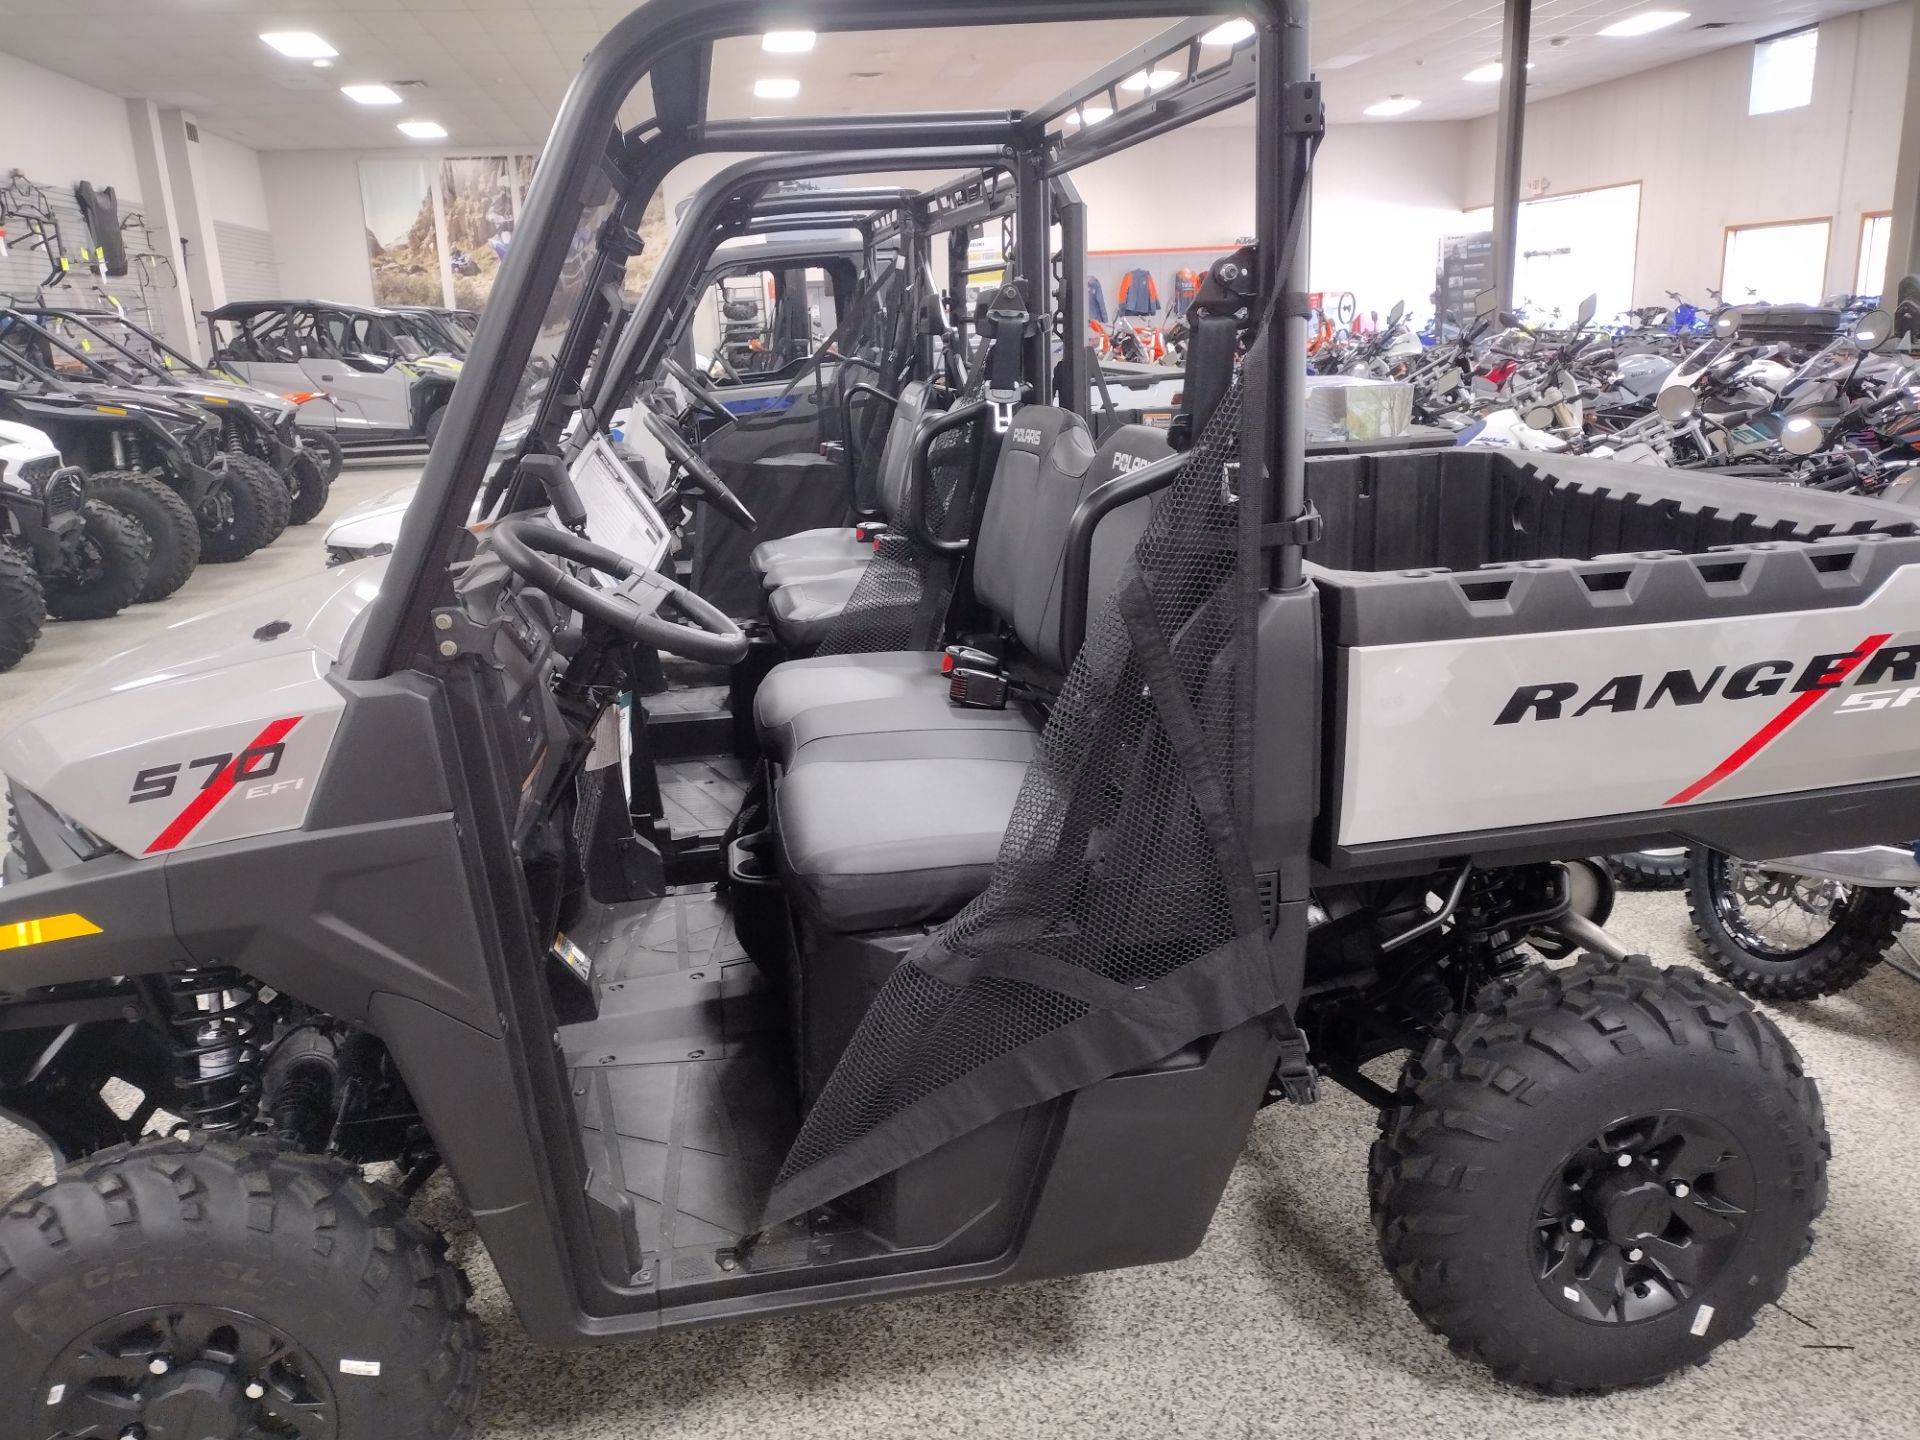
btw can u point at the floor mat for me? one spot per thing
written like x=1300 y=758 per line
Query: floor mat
x=701 y=797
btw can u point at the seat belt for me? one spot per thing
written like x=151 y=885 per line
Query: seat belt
x=1011 y=325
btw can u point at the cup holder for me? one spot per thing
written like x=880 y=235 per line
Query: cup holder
x=759 y=902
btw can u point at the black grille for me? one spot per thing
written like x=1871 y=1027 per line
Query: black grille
x=37 y=472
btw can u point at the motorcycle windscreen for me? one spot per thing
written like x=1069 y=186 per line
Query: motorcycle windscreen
x=1121 y=920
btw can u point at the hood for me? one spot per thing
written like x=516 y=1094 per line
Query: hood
x=88 y=396
x=371 y=528
x=250 y=677
x=21 y=443
x=220 y=392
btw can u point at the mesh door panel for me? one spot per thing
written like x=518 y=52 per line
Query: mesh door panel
x=1121 y=920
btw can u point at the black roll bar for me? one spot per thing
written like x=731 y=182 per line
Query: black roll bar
x=1076 y=570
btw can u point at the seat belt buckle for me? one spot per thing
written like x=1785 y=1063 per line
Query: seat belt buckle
x=977 y=689
x=965 y=657
x=1002 y=402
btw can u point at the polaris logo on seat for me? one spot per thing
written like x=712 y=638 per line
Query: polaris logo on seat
x=1123 y=463
x=1025 y=435
x=1871 y=663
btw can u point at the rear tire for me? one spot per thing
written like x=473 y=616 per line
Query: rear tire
x=326 y=452
x=1510 y=1226
x=311 y=489
x=1650 y=869
x=158 y=510
x=244 y=511
x=431 y=429
x=1861 y=924
x=23 y=607
x=236 y=1267
x=108 y=571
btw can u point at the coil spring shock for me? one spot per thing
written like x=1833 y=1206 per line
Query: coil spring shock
x=231 y=440
x=214 y=1017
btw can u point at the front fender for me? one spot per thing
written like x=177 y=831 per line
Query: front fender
x=91 y=921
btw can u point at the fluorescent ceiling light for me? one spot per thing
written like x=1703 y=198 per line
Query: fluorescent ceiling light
x=1645 y=23
x=1094 y=114
x=775 y=87
x=370 y=94
x=323 y=64
x=1150 y=80
x=300 y=45
x=1488 y=73
x=1231 y=33
x=1392 y=105
x=422 y=129
x=787 y=42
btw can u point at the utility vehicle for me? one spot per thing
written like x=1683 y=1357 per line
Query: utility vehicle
x=364 y=373
x=253 y=422
x=1218 y=795
x=91 y=559
x=151 y=455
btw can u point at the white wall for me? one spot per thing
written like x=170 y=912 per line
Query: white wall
x=312 y=200
x=1704 y=164
x=80 y=133
x=233 y=179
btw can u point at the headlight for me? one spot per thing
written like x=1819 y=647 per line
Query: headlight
x=40 y=838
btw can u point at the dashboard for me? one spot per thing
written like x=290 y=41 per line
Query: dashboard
x=620 y=513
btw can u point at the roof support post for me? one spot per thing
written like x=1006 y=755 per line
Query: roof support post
x=1509 y=140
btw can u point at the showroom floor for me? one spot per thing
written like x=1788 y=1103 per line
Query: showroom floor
x=1284 y=1323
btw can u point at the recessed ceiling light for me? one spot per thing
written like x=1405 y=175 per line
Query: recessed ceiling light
x=787 y=42
x=1645 y=23
x=370 y=94
x=1392 y=105
x=1150 y=80
x=300 y=45
x=775 y=87
x=323 y=64
x=1488 y=73
x=1231 y=33
x=1094 y=114
x=422 y=129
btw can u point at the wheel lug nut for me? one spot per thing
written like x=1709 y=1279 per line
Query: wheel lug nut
x=256 y=1390
x=1576 y=1225
x=158 y=1366
x=1624 y=1161
x=1679 y=1189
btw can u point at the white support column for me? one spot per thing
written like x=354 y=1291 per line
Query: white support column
x=193 y=206
x=173 y=312
x=1903 y=240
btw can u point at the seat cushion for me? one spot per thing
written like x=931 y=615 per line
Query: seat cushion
x=803 y=612
x=833 y=542
x=798 y=569
x=875 y=844
x=797 y=686
x=920 y=726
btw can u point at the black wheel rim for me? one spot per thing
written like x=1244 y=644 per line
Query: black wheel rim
x=187 y=1372
x=1641 y=1218
x=87 y=567
x=216 y=511
x=1773 y=916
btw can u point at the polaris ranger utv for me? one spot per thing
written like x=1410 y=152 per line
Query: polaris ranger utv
x=1226 y=795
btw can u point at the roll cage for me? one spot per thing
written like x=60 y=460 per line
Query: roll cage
x=669 y=42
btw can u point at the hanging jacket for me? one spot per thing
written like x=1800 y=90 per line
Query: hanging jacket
x=1186 y=286
x=1138 y=294
x=1096 y=300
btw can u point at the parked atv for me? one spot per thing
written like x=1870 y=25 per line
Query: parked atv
x=148 y=456
x=92 y=560
x=252 y=421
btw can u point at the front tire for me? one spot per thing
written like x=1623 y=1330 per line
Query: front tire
x=171 y=530
x=107 y=571
x=326 y=452
x=311 y=488
x=431 y=430
x=246 y=509
x=1511 y=1225
x=235 y=1283
x=1781 y=937
x=23 y=607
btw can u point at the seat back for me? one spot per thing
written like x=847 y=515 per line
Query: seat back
x=1125 y=449
x=896 y=451
x=1043 y=455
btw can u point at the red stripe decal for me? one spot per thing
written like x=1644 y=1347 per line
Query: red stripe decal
x=1777 y=726
x=217 y=789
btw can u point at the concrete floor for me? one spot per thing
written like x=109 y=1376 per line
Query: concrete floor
x=1284 y=1323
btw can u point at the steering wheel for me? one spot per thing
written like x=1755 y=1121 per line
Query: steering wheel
x=635 y=610
x=731 y=375
x=701 y=392
x=710 y=485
